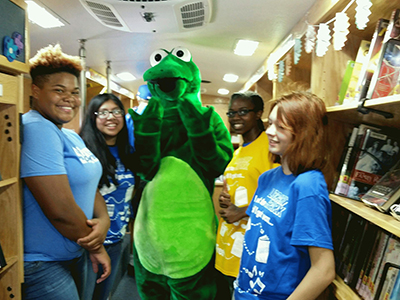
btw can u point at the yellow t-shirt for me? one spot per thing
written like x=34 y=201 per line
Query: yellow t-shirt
x=241 y=176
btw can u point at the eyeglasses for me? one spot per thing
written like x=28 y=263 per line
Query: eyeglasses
x=105 y=113
x=241 y=112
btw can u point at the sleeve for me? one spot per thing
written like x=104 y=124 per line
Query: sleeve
x=42 y=150
x=313 y=219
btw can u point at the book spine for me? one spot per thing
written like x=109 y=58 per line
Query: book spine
x=343 y=182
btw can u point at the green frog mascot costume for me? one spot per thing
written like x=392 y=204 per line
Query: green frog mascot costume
x=181 y=148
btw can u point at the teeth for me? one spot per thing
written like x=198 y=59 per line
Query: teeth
x=237 y=126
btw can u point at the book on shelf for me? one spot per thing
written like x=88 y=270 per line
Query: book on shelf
x=391 y=255
x=386 y=79
x=386 y=192
x=3 y=262
x=377 y=154
x=345 y=81
x=387 y=282
x=351 y=152
x=362 y=280
x=342 y=185
x=350 y=244
x=369 y=66
x=362 y=252
x=361 y=58
x=395 y=293
x=372 y=269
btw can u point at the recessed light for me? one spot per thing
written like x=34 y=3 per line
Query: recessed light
x=42 y=17
x=230 y=77
x=125 y=76
x=223 y=92
x=246 y=47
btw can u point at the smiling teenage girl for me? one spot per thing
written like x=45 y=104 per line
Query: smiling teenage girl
x=105 y=134
x=287 y=249
x=248 y=163
x=62 y=205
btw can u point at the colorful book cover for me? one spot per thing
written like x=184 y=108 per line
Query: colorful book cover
x=386 y=80
x=345 y=81
x=371 y=63
x=378 y=153
x=361 y=58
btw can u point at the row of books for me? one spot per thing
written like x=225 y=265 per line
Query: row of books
x=369 y=170
x=367 y=257
x=376 y=69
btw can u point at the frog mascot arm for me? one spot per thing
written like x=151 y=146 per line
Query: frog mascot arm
x=181 y=147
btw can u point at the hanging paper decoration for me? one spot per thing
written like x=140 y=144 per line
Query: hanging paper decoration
x=310 y=39
x=288 y=60
x=340 y=28
x=281 y=70
x=362 y=13
x=323 y=38
x=297 y=50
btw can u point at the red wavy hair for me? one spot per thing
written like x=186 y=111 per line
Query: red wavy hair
x=304 y=115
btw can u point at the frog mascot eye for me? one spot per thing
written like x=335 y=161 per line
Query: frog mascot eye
x=157 y=56
x=182 y=53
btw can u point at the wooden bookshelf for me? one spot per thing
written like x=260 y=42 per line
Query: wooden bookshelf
x=11 y=81
x=384 y=221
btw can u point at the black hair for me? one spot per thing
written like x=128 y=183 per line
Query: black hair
x=96 y=142
x=257 y=101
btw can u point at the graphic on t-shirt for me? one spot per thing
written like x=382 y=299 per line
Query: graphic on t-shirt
x=255 y=282
x=236 y=236
x=241 y=198
x=85 y=155
x=262 y=251
x=237 y=247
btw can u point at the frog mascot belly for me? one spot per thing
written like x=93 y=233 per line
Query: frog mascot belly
x=181 y=147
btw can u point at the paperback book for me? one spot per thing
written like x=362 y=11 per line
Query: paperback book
x=386 y=191
x=378 y=153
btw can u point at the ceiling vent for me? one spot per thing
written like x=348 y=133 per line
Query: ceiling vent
x=150 y=15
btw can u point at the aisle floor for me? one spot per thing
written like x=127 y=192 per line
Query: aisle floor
x=126 y=289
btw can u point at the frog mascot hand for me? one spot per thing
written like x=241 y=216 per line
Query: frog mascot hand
x=181 y=148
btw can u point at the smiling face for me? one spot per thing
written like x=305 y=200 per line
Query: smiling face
x=246 y=125
x=279 y=137
x=58 y=99
x=112 y=125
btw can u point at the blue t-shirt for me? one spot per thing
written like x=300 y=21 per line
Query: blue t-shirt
x=118 y=200
x=287 y=214
x=47 y=150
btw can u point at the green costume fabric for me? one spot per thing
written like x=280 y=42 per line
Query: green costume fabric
x=181 y=148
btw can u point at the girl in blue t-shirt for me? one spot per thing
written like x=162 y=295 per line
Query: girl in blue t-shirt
x=287 y=249
x=105 y=133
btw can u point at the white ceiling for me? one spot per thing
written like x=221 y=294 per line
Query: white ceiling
x=266 y=21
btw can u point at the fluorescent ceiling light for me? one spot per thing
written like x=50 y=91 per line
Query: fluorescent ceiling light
x=245 y=47
x=42 y=17
x=126 y=76
x=230 y=77
x=223 y=92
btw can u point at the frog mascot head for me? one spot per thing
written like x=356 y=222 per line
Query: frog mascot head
x=173 y=74
x=181 y=147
